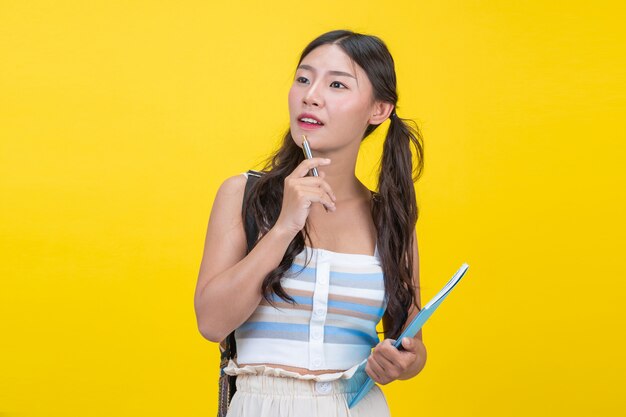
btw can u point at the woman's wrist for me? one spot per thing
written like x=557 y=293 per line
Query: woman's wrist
x=280 y=237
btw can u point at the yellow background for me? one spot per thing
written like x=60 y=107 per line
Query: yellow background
x=119 y=120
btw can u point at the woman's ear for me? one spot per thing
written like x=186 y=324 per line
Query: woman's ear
x=380 y=112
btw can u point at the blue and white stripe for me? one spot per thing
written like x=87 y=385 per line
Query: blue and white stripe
x=340 y=298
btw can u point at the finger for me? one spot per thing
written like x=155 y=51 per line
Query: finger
x=400 y=360
x=392 y=359
x=381 y=363
x=395 y=367
x=302 y=170
x=318 y=182
x=387 y=350
x=386 y=361
x=373 y=374
x=379 y=371
x=315 y=194
x=409 y=345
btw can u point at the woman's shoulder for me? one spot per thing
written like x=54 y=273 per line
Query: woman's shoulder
x=235 y=185
x=231 y=190
x=234 y=182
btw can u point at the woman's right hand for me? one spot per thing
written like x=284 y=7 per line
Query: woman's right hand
x=300 y=191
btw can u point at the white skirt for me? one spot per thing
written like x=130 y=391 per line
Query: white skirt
x=264 y=391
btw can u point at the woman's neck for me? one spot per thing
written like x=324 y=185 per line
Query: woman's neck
x=341 y=177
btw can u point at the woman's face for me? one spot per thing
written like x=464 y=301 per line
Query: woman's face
x=336 y=92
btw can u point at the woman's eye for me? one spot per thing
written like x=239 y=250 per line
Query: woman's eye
x=301 y=78
x=337 y=82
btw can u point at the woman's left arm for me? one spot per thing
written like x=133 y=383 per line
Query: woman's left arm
x=386 y=363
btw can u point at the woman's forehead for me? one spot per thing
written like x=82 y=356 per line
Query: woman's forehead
x=331 y=59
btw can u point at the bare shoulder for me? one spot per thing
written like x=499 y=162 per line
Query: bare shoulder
x=226 y=212
x=232 y=187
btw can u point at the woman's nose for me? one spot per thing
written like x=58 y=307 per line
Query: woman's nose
x=312 y=96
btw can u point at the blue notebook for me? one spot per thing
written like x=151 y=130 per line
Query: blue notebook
x=411 y=330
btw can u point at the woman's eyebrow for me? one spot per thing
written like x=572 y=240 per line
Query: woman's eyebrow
x=341 y=73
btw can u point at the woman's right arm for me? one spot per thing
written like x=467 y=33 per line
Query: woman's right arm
x=228 y=289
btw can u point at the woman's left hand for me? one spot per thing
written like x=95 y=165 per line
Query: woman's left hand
x=386 y=363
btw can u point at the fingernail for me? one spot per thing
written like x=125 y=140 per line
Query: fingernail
x=407 y=341
x=326 y=160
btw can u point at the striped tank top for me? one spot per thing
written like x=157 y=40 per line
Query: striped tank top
x=340 y=298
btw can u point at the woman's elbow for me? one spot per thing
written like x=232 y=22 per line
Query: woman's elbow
x=212 y=333
x=208 y=328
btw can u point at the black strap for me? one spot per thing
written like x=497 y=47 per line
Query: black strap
x=249 y=223
x=251 y=236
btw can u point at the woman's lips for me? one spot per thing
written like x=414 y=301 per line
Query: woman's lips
x=308 y=126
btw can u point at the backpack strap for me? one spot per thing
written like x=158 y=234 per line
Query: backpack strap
x=228 y=346
x=249 y=224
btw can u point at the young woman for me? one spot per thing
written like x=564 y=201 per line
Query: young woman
x=332 y=258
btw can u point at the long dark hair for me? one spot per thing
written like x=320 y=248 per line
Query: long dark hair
x=394 y=210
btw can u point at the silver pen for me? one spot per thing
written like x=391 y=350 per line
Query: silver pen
x=309 y=155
